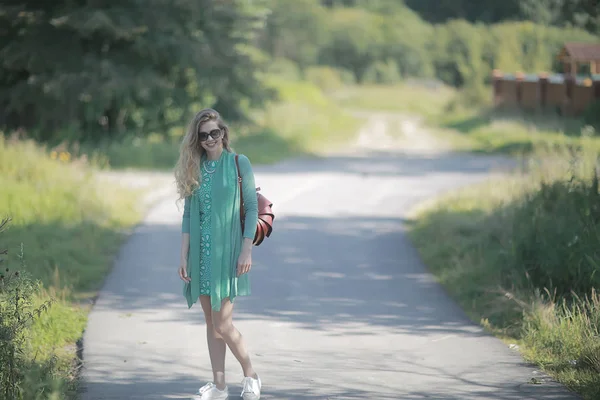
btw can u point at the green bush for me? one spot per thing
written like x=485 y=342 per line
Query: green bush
x=284 y=68
x=326 y=78
x=556 y=234
x=525 y=46
x=17 y=314
x=520 y=255
x=473 y=96
x=149 y=152
x=71 y=233
x=305 y=118
x=591 y=116
x=382 y=72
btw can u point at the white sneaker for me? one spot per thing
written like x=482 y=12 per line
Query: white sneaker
x=210 y=392
x=251 y=388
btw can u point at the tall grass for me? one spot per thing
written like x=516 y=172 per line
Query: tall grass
x=520 y=254
x=69 y=227
x=426 y=99
x=22 y=377
x=486 y=130
x=305 y=116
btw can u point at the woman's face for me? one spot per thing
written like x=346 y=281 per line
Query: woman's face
x=210 y=136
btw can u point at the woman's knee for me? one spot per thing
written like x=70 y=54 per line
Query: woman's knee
x=223 y=328
x=221 y=319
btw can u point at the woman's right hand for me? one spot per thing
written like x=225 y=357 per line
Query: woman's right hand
x=183 y=272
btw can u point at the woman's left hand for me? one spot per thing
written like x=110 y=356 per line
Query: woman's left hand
x=244 y=261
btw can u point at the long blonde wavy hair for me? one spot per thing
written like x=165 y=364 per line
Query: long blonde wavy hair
x=187 y=169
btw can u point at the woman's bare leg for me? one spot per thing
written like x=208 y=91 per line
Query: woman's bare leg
x=223 y=324
x=216 y=345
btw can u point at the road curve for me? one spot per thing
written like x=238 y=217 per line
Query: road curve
x=342 y=307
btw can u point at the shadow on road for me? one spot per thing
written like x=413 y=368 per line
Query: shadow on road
x=182 y=385
x=394 y=163
x=317 y=273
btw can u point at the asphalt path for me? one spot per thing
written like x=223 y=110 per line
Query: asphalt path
x=341 y=306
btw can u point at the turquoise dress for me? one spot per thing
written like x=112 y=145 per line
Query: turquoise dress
x=208 y=168
x=211 y=217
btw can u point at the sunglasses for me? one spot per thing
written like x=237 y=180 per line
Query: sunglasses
x=214 y=134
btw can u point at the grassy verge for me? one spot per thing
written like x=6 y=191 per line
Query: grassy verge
x=300 y=122
x=485 y=130
x=426 y=100
x=467 y=121
x=69 y=230
x=520 y=254
x=307 y=118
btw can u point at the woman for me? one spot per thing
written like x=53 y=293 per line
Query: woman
x=216 y=255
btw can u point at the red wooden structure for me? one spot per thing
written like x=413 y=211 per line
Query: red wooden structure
x=569 y=93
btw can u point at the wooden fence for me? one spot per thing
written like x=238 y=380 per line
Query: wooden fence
x=565 y=94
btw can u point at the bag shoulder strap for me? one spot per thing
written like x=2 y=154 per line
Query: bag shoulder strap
x=237 y=164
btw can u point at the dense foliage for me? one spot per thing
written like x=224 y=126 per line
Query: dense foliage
x=108 y=67
x=584 y=14
x=86 y=70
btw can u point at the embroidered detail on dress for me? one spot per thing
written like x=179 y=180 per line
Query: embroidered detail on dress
x=205 y=226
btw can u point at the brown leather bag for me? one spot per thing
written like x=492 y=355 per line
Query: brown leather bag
x=264 y=226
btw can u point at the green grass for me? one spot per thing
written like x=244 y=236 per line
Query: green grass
x=520 y=255
x=309 y=119
x=484 y=130
x=467 y=121
x=70 y=231
x=301 y=122
x=154 y=152
x=411 y=98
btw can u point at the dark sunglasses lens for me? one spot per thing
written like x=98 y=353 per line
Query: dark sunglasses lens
x=214 y=134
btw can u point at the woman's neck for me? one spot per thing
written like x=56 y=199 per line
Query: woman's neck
x=214 y=155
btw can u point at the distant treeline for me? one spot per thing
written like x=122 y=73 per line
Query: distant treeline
x=85 y=70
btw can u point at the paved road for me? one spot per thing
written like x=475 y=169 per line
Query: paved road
x=342 y=307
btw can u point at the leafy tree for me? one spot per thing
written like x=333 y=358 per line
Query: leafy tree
x=584 y=14
x=108 y=67
x=473 y=11
x=339 y=3
x=295 y=30
x=355 y=40
x=542 y=11
x=525 y=46
x=386 y=7
x=460 y=50
x=406 y=40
